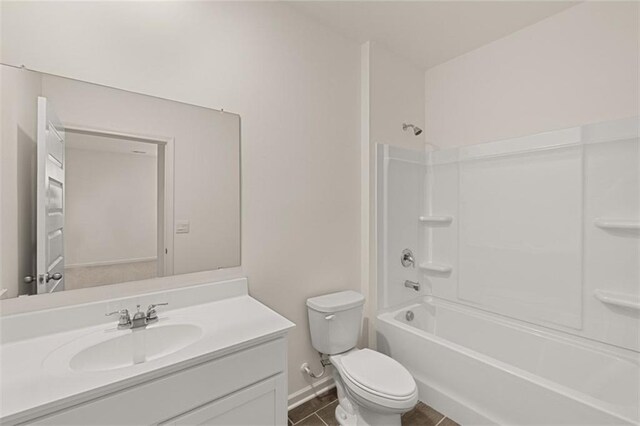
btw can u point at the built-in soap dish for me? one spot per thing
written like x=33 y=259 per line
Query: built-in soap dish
x=615 y=224
x=441 y=268
x=436 y=220
x=623 y=300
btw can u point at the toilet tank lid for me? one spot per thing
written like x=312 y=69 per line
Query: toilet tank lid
x=335 y=302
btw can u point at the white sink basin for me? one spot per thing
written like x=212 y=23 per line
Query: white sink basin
x=135 y=347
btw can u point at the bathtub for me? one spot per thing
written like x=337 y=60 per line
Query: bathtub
x=480 y=368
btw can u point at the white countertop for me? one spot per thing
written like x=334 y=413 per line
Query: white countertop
x=31 y=384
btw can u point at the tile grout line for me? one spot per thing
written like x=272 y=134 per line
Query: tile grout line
x=305 y=418
x=325 y=406
x=315 y=412
x=323 y=422
x=322 y=408
x=321 y=419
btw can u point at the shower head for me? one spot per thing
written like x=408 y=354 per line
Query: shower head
x=416 y=130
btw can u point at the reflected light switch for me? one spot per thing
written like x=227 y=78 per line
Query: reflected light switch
x=182 y=227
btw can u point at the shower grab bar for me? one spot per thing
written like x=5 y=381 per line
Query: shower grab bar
x=632 y=225
x=618 y=299
x=436 y=219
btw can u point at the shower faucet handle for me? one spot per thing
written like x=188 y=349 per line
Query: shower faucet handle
x=407 y=259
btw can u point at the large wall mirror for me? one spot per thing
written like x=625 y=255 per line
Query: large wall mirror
x=103 y=186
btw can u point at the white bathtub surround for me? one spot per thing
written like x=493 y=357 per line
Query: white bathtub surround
x=533 y=278
x=48 y=364
x=485 y=369
x=579 y=66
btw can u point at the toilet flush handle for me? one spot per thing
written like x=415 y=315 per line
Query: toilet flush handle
x=330 y=317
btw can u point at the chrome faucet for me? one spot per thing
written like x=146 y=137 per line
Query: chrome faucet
x=139 y=320
x=412 y=284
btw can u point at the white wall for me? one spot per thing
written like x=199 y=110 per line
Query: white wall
x=18 y=153
x=294 y=83
x=110 y=206
x=397 y=96
x=577 y=67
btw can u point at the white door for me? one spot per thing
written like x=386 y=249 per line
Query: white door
x=50 y=200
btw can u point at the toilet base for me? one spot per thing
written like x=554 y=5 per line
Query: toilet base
x=366 y=419
x=344 y=418
x=348 y=413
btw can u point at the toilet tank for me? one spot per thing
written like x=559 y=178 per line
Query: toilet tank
x=334 y=321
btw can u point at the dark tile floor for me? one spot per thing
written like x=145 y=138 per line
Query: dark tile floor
x=320 y=411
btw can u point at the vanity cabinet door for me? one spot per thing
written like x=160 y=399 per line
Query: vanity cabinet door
x=255 y=405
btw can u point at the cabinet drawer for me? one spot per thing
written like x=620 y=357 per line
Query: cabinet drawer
x=168 y=396
x=259 y=405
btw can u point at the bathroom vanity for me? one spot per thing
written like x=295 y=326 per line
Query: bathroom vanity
x=220 y=361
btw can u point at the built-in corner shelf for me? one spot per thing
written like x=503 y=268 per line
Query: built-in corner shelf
x=436 y=267
x=630 y=225
x=436 y=220
x=618 y=299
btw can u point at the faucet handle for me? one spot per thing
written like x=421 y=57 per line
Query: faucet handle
x=121 y=312
x=152 y=314
x=407 y=259
x=124 y=319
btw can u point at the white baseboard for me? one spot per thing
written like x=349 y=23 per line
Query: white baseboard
x=310 y=392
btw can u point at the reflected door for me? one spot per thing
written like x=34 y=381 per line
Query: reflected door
x=50 y=200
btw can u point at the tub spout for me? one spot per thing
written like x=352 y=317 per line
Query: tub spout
x=412 y=284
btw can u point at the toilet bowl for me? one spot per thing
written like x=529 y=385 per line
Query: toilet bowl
x=373 y=389
x=378 y=387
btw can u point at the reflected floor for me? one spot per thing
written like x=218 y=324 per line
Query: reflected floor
x=95 y=275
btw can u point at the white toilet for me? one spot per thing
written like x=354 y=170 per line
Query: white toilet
x=373 y=389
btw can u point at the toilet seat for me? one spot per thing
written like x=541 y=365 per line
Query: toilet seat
x=377 y=381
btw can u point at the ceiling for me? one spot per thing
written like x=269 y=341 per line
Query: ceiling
x=429 y=33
